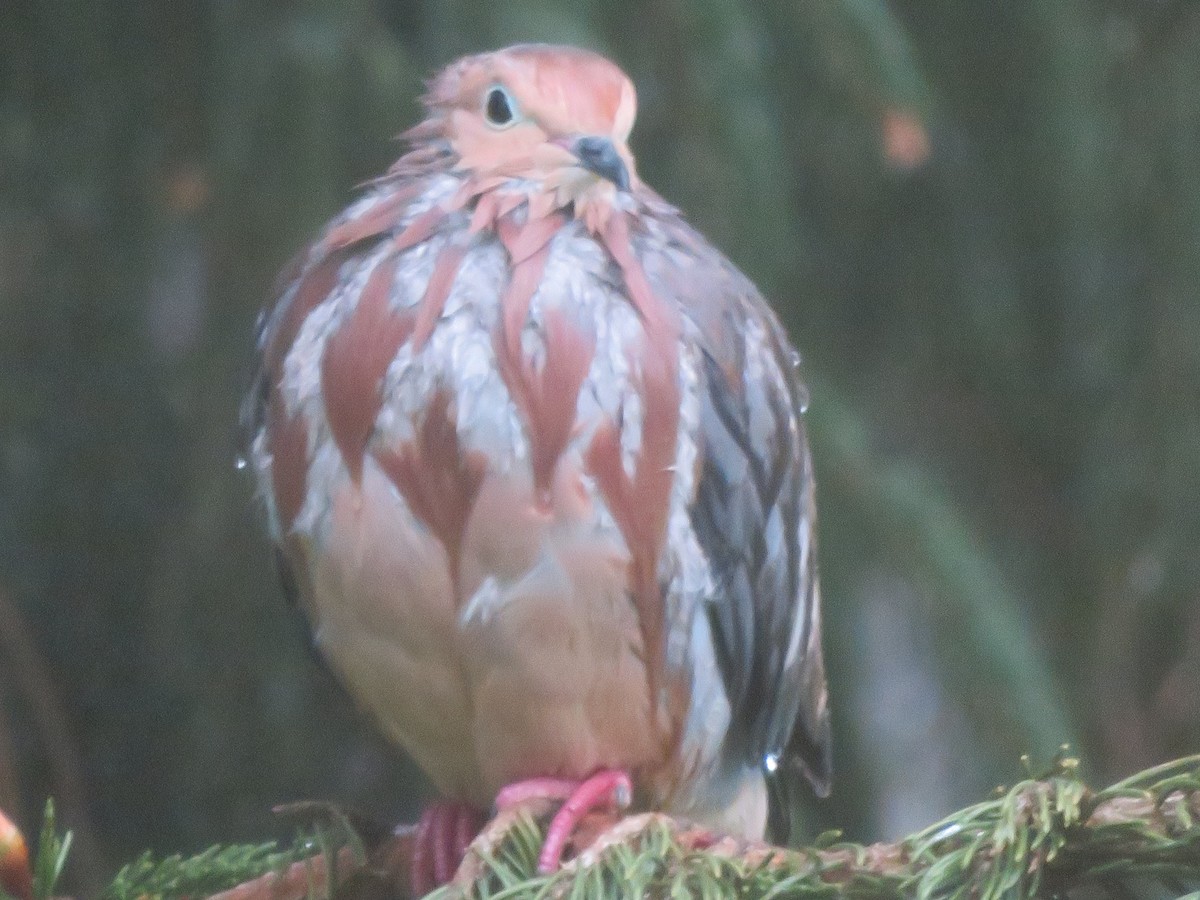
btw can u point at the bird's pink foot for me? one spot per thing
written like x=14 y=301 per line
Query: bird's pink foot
x=521 y=792
x=608 y=789
x=440 y=843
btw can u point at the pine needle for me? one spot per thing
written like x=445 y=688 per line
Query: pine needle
x=1047 y=835
x=1043 y=836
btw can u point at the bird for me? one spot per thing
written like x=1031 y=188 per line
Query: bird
x=535 y=465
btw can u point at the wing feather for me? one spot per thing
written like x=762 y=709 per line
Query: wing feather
x=754 y=509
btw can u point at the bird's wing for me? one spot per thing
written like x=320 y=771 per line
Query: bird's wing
x=306 y=281
x=754 y=510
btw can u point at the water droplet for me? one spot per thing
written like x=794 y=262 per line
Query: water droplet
x=795 y=359
x=802 y=398
x=240 y=463
x=949 y=831
x=771 y=762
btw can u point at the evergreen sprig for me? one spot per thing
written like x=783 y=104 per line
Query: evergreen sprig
x=221 y=868
x=1045 y=835
x=216 y=869
x=52 y=851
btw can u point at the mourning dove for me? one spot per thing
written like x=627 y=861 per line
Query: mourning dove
x=534 y=457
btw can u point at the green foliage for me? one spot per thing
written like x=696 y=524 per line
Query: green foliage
x=52 y=850
x=1046 y=834
x=1043 y=836
x=220 y=868
x=216 y=869
x=50 y=859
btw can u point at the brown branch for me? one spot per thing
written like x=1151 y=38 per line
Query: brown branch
x=306 y=878
x=1068 y=835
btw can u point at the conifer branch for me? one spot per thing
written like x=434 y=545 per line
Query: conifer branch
x=1045 y=836
x=1049 y=835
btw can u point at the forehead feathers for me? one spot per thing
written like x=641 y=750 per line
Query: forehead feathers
x=564 y=89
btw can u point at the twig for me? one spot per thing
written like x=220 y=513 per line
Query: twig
x=306 y=878
x=1048 y=835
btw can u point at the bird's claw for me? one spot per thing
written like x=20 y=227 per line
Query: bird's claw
x=607 y=789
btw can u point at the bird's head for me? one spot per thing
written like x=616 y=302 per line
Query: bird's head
x=556 y=118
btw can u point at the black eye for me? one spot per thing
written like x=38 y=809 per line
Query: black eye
x=499 y=107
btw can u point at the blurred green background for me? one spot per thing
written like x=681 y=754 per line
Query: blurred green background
x=980 y=222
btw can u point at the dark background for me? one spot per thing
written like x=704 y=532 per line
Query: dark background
x=980 y=221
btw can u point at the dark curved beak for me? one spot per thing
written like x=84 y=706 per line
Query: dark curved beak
x=598 y=155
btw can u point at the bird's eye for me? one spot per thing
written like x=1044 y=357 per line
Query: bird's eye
x=499 y=107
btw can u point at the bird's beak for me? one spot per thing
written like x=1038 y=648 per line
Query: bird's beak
x=598 y=155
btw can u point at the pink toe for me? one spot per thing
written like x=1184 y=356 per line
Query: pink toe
x=445 y=831
x=607 y=788
x=535 y=789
